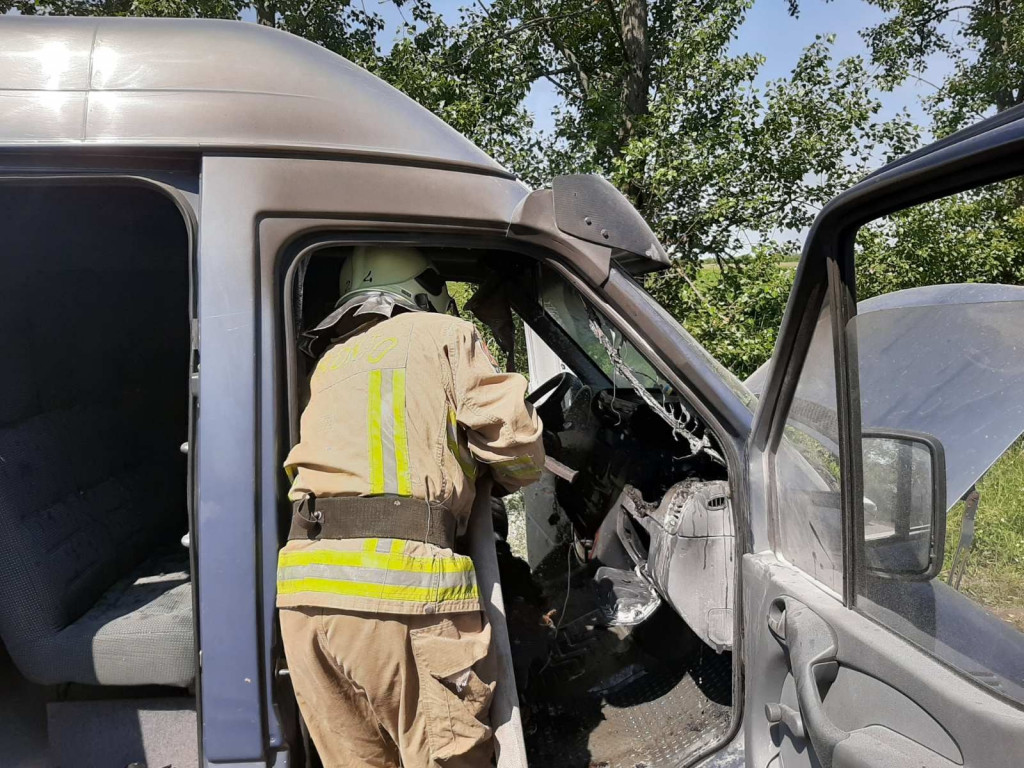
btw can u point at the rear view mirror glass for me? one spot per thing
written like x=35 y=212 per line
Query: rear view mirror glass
x=904 y=505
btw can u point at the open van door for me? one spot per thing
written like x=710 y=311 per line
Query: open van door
x=856 y=653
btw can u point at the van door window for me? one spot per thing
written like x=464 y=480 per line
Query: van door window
x=940 y=357
x=807 y=474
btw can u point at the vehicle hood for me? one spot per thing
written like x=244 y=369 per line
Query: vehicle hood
x=946 y=360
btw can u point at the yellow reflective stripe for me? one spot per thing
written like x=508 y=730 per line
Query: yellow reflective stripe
x=366 y=559
x=468 y=465
x=370 y=545
x=401 y=436
x=518 y=471
x=520 y=466
x=378 y=591
x=373 y=419
x=397 y=547
x=517 y=461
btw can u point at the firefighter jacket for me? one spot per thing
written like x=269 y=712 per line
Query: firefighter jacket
x=413 y=406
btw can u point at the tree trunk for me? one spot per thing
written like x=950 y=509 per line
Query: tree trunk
x=636 y=82
x=266 y=13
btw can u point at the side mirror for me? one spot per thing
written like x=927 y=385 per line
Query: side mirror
x=587 y=206
x=903 y=534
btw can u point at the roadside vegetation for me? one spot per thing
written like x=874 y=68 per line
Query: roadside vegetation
x=995 y=568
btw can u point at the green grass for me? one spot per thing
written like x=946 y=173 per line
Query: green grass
x=995 y=570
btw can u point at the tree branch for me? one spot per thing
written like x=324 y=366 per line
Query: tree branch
x=561 y=88
x=614 y=20
x=582 y=78
x=526 y=25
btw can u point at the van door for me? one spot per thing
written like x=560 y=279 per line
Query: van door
x=856 y=652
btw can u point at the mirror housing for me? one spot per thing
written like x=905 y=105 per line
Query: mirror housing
x=903 y=525
x=588 y=207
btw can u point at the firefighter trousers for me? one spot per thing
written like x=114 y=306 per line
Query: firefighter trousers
x=389 y=690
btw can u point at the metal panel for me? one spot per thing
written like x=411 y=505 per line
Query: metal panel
x=210 y=84
x=242 y=421
x=42 y=117
x=226 y=461
x=967 y=720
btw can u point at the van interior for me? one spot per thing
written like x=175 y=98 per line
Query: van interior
x=97 y=660
x=617 y=567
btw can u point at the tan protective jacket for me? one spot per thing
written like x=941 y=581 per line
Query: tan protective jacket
x=409 y=407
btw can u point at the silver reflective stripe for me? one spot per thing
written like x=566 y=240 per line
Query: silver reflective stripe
x=390 y=464
x=387 y=432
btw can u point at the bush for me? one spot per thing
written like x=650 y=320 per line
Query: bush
x=734 y=311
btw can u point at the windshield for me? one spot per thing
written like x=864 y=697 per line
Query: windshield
x=566 y=307
x=738 y=388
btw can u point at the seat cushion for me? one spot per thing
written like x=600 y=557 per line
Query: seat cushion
x=138 y=633
x=84 y=505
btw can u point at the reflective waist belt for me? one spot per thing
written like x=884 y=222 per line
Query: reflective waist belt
x=365 y=517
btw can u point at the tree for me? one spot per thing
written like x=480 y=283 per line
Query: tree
x=735 y=313
x=652 y=98
x=982 y=39
x=973 y=237
x=976 y=236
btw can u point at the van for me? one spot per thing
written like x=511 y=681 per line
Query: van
x=711 y=571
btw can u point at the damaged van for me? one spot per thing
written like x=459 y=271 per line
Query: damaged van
x=710 y=571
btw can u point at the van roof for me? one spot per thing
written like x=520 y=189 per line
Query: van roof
x=220 y=85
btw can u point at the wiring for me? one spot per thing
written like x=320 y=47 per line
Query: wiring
x=678 y=425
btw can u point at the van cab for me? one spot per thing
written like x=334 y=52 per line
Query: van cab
x=711 y=571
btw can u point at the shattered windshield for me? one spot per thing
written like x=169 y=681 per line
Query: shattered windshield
x=566 y=307
x=618 y=359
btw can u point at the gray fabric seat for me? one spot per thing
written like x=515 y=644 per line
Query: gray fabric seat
x=83 y=598
x=140 y=631
x=94 y=585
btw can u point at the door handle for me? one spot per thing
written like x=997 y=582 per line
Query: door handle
x=811 y=646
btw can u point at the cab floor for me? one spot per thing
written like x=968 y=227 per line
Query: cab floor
x=607 y=699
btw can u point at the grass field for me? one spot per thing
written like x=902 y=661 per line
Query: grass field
x=995 y=570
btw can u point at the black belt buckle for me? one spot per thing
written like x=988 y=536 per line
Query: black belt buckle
x=309 y=518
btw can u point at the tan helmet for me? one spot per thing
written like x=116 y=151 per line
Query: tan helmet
x=400 y=271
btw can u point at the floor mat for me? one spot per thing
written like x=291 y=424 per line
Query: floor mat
x=651 y=718
x=613 y=699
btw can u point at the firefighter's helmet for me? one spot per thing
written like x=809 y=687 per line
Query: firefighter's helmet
x=399 y=271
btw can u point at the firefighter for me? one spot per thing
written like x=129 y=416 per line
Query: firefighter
x=382 y=621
